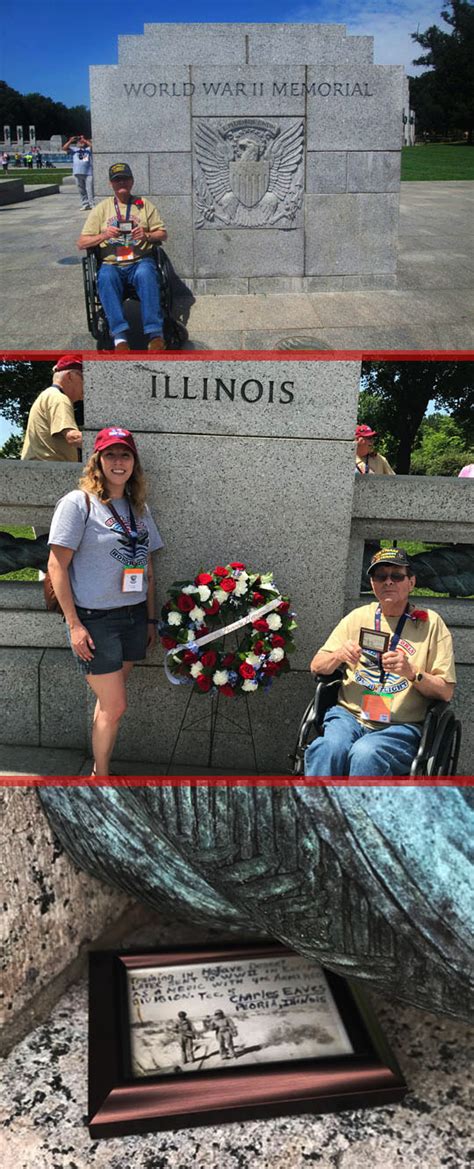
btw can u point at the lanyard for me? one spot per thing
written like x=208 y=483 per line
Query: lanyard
x=367 y=464
x=395 y=638
x=117 y=211
x=132 y=535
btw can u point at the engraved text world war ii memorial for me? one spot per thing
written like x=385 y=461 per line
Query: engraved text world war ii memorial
x=272 y=152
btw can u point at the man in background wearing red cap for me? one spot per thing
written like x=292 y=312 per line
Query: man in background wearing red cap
x=125 y=228
x=51 y=431
x=367 y=461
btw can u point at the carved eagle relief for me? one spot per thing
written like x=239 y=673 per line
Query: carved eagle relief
x=248 y=173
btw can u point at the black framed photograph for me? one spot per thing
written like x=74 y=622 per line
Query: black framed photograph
x=188 y=1037
x=374 y=640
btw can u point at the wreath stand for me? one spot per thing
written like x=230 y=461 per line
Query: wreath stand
x=214 y=719
x=224 y=712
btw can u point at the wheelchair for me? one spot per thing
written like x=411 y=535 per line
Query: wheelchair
x=174 y=331
x=439 y=746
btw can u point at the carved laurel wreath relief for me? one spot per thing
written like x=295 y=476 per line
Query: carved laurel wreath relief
x=248 y=172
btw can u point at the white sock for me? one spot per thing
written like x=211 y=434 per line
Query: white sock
x=117 y=340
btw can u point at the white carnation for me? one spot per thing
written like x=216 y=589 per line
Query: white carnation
x=191 y=635
x=277 y=654
x=190 y=589
x=241 y=587
x=196 y=669
x=274 y=621
x=204 y=593
x=221 y=596
x=249 y=685
x=220 y=677
x=252 y=660
x=197 y=614
x=174 y=618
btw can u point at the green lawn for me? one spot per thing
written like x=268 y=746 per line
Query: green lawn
x=45 y=175
x=23 y=573
x=437 y=162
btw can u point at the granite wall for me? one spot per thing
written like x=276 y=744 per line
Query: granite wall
x=272 y=151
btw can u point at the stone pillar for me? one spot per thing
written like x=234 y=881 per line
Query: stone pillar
x=273 y=152
x=246 y=460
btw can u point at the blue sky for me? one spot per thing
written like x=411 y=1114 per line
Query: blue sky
x=48 y=46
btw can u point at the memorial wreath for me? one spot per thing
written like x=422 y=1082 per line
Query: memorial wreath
x=201 y=612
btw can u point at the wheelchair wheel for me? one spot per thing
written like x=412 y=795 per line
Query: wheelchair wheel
x=175 y=334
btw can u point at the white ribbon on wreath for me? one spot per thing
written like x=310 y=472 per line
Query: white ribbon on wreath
x=214 y=636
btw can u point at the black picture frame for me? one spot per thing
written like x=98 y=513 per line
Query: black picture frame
x=120 y=1104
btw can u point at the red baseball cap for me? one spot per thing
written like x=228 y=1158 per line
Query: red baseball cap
x=69 y=361
x=364 y=431
x=112 y=435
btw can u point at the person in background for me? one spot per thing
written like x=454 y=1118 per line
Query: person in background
x=367 y=461
x=51 y=430
x=82 y=168
x=101 y=540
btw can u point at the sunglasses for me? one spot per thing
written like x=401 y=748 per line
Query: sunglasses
x=395 y=576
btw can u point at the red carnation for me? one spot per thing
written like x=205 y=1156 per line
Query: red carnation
x=419 y=614
x=220 y=571
x=204 y=682
x=212 y=608
x=209 y=658
x=189 y=657
x=257 y=647
x=258 y=598
x=236 y=564
x=246 y=671
x=283 y=607
x=168 y=642
x=272 y=667
x=203 y=630
x=138 y=202
x=227 y=584
x=261 y=624
x=227 y=661
x=185 y=603
x=228 y=690
x=278 y=641
x=204 y=578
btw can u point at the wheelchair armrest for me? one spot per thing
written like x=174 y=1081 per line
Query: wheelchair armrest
x=438 y=716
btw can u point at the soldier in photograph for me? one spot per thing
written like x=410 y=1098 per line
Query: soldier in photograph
x=186 y=1033
x=226 y=1032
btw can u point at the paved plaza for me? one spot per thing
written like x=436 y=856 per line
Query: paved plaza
x=42 y=301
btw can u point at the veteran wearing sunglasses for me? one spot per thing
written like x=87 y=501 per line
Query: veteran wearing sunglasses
x=396 y=660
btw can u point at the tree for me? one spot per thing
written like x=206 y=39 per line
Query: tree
x=395 y=396
x=20 y=384
x=47 y=116
x=442 y=448
x=11 y=449
x=443 y=99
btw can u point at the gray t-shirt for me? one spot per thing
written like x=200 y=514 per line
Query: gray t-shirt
x=101 y=549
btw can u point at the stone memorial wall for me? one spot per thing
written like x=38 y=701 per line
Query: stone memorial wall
x=272 y=151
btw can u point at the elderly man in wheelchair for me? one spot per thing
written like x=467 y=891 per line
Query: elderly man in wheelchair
x=397 y=662
x=125 y=229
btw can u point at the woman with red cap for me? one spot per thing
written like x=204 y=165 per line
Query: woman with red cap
x=102 y=537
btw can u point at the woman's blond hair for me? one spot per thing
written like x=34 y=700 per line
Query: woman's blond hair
x=93 y=481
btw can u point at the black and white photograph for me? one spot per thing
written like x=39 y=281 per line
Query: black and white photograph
x=197 y=1017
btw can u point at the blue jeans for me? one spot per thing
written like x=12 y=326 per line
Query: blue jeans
x=143 y=276
x=349 y=748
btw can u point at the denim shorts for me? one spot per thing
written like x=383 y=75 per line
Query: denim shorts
x=119 y=635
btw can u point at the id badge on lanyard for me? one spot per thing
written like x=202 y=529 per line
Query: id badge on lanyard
x=125 y=252
x=376 y=705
